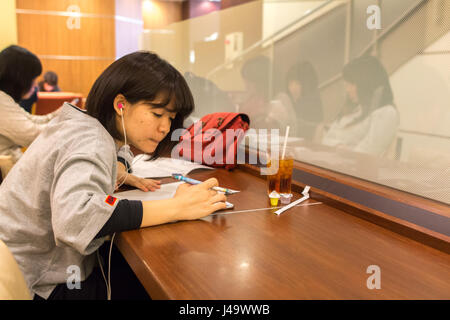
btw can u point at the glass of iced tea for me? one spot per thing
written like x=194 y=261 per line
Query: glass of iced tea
x=280 y=176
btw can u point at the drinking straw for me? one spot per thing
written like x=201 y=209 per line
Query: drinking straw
x=285 y=142
x=305 y=194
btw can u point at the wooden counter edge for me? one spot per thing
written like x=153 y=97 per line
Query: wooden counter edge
x=144 y=274
x=412 y=231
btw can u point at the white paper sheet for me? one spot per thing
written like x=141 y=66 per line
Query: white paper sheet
x=162 y=167
x=253 y=141
x=167 y=191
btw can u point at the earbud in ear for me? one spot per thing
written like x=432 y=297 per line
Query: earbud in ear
x=120 y=106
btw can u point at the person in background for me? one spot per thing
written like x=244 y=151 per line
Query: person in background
x=209 y=98
x=255 y=73
x=304 y=96
x=19 y=69
x=369 y=121
x=57 y=205
x=27 y=103
x=50 y=82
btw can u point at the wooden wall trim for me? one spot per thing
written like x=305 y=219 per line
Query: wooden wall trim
x=80 y=15
x=63 y=57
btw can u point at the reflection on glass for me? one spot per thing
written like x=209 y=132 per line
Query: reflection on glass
x=255 y=73
x=208 y=96
x=369 y=120
x=303 y=95
x=374 y=104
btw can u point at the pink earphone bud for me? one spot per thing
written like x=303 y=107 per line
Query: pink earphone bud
x=120 y=106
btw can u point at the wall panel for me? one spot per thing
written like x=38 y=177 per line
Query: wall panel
x=161 y=14
x=76 y=75
x=8 y=25
x=105 y=7
x=78 y=56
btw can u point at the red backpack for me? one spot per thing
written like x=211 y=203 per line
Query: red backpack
x=214 y=139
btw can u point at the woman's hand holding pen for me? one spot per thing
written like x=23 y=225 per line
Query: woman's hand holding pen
x=190 y=202
x=198 y=201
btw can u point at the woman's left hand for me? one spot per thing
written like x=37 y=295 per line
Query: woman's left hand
x=140 y=183
x=131 y=180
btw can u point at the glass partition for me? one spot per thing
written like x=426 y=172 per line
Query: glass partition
x=363 y=85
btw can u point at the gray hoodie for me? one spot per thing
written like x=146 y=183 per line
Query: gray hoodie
x=53 y=201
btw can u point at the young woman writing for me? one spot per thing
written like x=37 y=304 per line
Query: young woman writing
x=56 y=206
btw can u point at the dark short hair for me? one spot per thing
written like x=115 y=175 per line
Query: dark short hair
x=51 y=78
x=257 y=71
x=18 y=68
x=140 y=77
x=304 y=73
x=368 y=75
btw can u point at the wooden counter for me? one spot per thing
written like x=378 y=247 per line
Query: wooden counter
x=314 y=251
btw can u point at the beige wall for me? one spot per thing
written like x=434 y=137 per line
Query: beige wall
x=79 y=55
x=179 y=39
x=158 y=14
x=108 y=28
x=129 y=26
x=422 y=93
x=8 y=25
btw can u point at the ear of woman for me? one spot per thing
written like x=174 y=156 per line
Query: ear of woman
x=119 y=104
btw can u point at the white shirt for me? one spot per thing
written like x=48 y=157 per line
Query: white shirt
x=373 y=135
x=18 y=128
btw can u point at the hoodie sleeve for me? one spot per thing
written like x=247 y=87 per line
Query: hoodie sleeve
x=80 y=203
x=21 y=127
x=383 y=126
x=125 y=156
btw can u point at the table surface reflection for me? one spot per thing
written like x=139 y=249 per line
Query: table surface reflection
x=313 y=251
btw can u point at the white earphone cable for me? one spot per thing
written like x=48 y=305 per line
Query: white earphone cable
x=109 y=268
x=127 y=169
x=108 y=282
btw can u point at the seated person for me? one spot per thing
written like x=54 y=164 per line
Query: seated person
x=302 y=104
x=50 y=82
x=18 y=70
x=207 y=96
x=255 y=73
x=263 y=112
x=280 y=114
x=57 y=204
x=304 y=96
x=27 y=103
x=369 y=120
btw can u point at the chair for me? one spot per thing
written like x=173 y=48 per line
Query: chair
x=12 y=281
x=50 y=101
x=6 y=163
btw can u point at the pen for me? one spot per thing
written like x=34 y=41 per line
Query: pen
x=180 y=177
